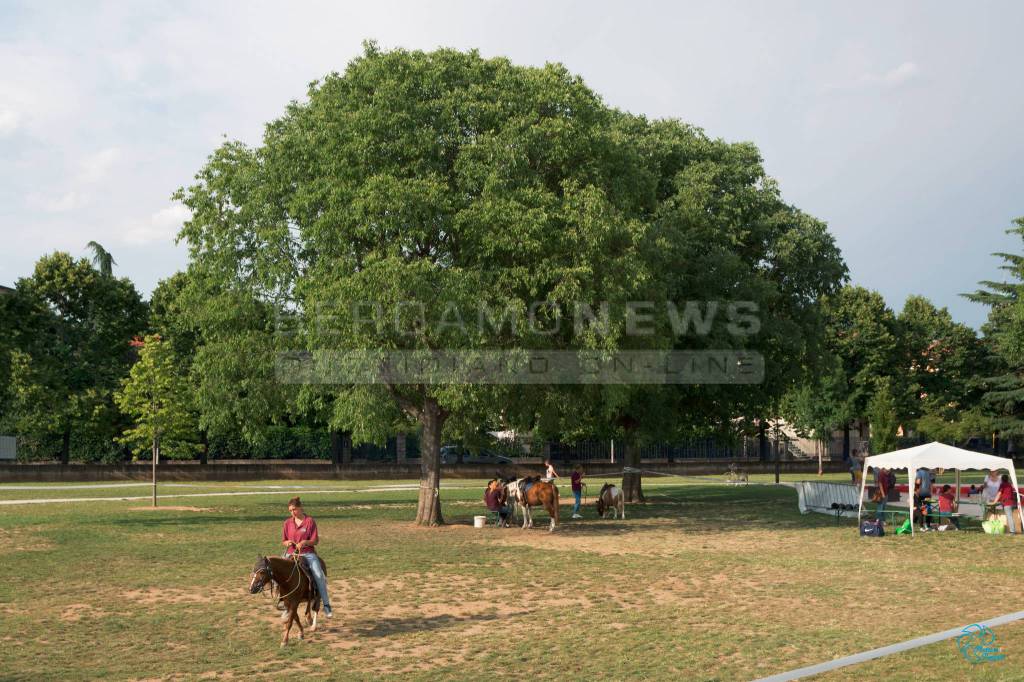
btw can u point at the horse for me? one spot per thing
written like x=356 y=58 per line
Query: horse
x=528 y=492
x=611 y=499
x=294 y=586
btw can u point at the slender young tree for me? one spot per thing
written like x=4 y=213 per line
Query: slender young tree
x=155 y=396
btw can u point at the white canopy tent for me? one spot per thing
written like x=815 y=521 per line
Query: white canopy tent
x=934 y=456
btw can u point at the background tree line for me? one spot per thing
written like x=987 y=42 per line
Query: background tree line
x=446 y=179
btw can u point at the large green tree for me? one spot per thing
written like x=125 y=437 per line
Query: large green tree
x=741 y=270
x=424 y=183
x=942 y=361
x=72 y=349
x=417 y=190
x=861 y=331
x=1004 y=337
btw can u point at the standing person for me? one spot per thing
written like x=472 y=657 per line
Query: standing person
x=577 y=490
x=990 y=491
x=549 y=471
x=855 y=466
x=923 y=483
x=881 y=491
x=300 y=536
x=1008 y=501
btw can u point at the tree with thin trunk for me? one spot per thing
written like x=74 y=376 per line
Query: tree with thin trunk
x=153 y=395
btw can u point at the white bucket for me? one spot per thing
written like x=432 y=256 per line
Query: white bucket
x=479 y=521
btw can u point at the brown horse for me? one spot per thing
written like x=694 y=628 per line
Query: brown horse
x=294 y=586
x=528 y=492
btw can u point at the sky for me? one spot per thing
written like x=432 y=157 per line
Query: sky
x=899 y=124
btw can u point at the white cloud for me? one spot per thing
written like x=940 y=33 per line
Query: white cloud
x=96 y=166
x=891 y=79
x=8 y=121
x=57 y=203
x=905 y=72
x=162 y=226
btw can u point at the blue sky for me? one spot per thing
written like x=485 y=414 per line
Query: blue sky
x=897 y=123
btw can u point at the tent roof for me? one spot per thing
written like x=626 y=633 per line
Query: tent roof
x=935 y=456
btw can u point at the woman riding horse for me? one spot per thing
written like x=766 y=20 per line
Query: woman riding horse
x=300 y=536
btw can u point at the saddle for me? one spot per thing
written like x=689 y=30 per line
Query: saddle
x=528 y=483
x=314 y=592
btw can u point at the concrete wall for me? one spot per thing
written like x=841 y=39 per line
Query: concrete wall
x=305 y=470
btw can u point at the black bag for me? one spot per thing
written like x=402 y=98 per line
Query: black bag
x=871 y=529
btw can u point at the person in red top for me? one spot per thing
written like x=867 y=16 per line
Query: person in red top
x=1008 y=501
x=947 y=504
x=495 y=497
x=300 y=535
x=577 y=490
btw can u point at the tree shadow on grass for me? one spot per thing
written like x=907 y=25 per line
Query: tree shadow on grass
x=385 y=627
x=695 y=509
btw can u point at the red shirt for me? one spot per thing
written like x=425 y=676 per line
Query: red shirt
x=304 y=531
x=492 y=498
x=1006 y=495
x=946 y=500
x=577 y=481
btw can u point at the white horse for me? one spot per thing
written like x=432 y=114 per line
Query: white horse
x=611 y=499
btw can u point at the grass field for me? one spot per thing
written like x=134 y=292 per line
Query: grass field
x=705 y=582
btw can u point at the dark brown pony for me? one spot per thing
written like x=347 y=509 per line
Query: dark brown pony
x=531 y=492
x=294 y=586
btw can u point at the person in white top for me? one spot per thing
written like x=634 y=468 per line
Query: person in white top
x=549 y=472
x=990 y=492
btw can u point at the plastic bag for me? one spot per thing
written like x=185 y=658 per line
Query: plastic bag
x=905 y=528
x=994 y=526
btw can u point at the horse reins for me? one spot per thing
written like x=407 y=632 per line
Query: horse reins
x=295 y=566
x=273 y=581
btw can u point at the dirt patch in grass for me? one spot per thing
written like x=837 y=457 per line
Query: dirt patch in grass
x=23 y=539
x=172 y=508
x=171 y=595
x=73 y=613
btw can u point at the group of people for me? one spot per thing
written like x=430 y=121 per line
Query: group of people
x=496 y=494
x=996 y=491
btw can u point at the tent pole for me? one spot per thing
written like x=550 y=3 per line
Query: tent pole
x=1016 y=491
x=911 y=471
x=863 y=480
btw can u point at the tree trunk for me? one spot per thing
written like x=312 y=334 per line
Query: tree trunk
x=346 y=447
x=155 y=458
x=335 y=447
x=400 y=448
x=762 y=441
x=428 y=512
x=632 y=486
x=820 y=447
x=65 y=446
x=204 y=454
x=846 y=441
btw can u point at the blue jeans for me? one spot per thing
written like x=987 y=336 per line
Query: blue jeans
x=1011 y=524
x=317 y=569
x=879 y=509
x=578 y=494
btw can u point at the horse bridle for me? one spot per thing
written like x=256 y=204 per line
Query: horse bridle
x=264 y=568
